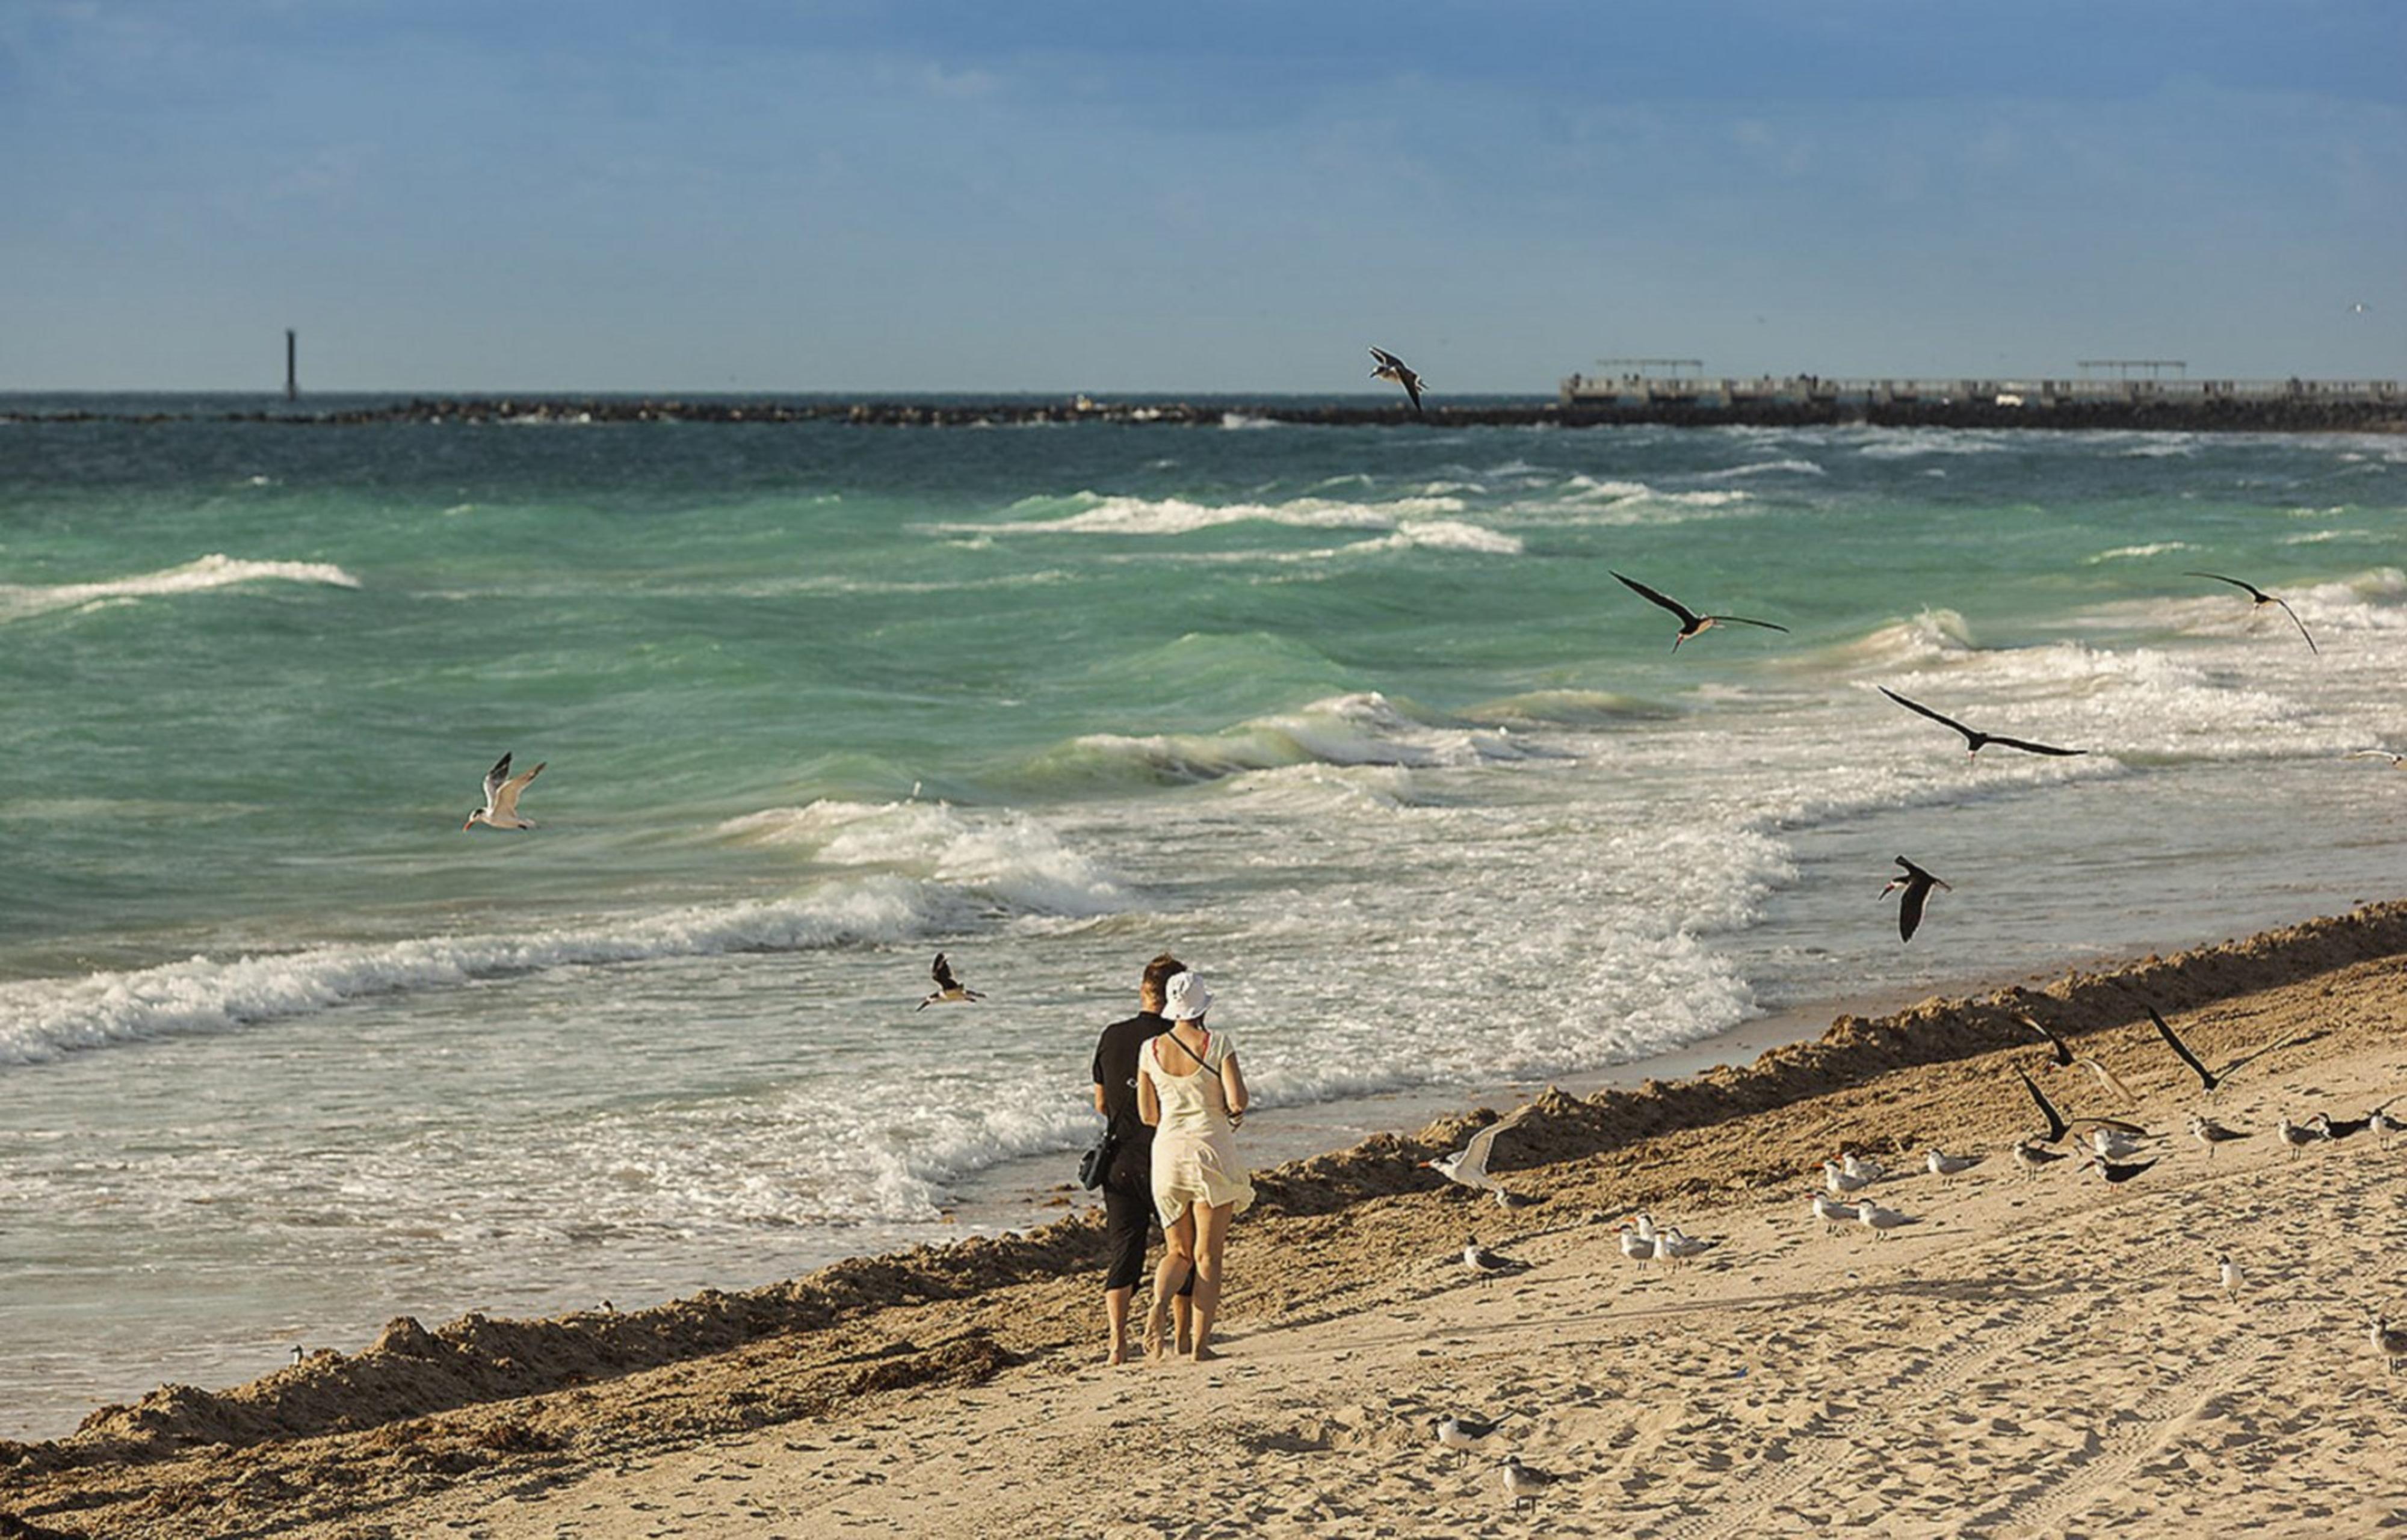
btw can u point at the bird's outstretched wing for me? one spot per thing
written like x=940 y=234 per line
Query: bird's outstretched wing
x=2057 y=1045
x=1921 y=710
x=2166 y=1032
x=1742 y=621
x=1688 y=616
x=942 y=971
x=2113 y=1083
x=2300 y=623
x=505 y=795
x=1474 y=1154
x=2236 y=1065
x=1909 y=908
x=494 y=777
x=2057 y=1126
x=2029 y=747
x=1387 y=360
x=2259 y=594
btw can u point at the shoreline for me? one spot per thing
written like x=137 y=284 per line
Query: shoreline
x=586 y=1389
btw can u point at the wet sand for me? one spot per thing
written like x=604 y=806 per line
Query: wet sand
x=2040 y=1355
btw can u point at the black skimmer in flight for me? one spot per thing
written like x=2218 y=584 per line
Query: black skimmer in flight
x=1393 y=368
x=948 y=987
x=1690 y=621
x=2210 y=1078
x=2056 y=1044
x=1917 y=885
x=1974 y=740
x=501 y=789
x=2059 y=1125
x=2258 y=599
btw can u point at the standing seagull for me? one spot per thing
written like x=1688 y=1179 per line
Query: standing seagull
x=2228 y=1271
x=1880 y=1220
x=1524 y=1482
x=948 y=987
x=501 y=809
x=2389 y=1344
x=2032 y=1157
x=2210 y=1078
x=1690 y=621
x=1468 y=1165
x=1831 y=1212
x=2298 y=1138
x=1393 y=368
x=1487 y=1263
x=1974 y=740
x=2383 y=1124
x=2259 y=597
x=1464 y=1435
x=1917 y=885
x=1940 y=1163
x=1637 y=1248
x=2210 y=1133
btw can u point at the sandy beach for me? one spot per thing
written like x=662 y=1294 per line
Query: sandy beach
x=2043 y=1354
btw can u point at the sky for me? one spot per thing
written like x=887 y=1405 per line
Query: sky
x=1217 y=196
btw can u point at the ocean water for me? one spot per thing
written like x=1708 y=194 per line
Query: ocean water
x=1355 y=720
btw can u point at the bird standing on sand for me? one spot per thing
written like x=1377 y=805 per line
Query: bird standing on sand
x=2115 y=1171
x=949 y=989
x=1637 y=1248
x=1690 y=621
x=501 y=809
x=1940 y=1163
x=1831 y=1212
x=1524 y=1483
x=2326 y=1127
x=1393 y=368
x=2210 y=1133
x=1468 y=1165
x=2032 y=1159
x=1840 y=1181
x=2258 y=599
x=1678 y=1246
x=2384 y=1124
x=1464 y=1435
x=1487 y=1262
x=2298 y=1138
x=2228 y=1272
x=2391 y=1344
x=2111 y=1143
x=2210 y=1078
x=1917 y=885
x=1974 y=740
x=1880 y=1220
x=1862 y=1167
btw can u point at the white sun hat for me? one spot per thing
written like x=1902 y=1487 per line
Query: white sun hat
x=1184 y=998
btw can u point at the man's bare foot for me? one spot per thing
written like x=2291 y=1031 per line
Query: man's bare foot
x=1183 y=1347
x=1203 y=1355
x=1117 y=1356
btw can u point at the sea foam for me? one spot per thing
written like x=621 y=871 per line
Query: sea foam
x=215 y=571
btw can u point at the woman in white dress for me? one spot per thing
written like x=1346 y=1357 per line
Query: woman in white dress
x=1189 y=1089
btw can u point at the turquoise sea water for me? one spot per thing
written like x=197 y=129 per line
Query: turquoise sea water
x=1356 y=720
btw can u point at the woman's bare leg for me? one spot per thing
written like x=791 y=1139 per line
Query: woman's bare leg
x=1210 y=1226
x=1177 y=1256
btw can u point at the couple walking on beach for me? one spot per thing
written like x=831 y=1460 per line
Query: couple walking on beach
x=1173 y=1096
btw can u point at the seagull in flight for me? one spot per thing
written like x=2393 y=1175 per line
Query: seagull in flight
x=2258 y=599
x=1393 y=368
x=501 y=789
x=1974 y=740
x=948 y=987
x=1690 y=621
x=1468 y=1165
x=2210 y=1078
x=1917 y=885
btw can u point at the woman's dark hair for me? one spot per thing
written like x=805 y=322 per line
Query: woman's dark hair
x=1158 y=972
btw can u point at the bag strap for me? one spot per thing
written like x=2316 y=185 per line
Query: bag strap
x=1202 y=1061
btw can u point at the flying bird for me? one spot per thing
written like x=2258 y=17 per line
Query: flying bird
x=2258 y=599
x=1393 y=368
x=501 y=809
x=2056 y=1044
x=2058 y=1126
x=1974 y=740
x=948 y=987
x=1917 y=885
x=2397 y=760
x=2111 y=1083
x=1468 y=1165
x=2210 y=1078
x=1690 y=621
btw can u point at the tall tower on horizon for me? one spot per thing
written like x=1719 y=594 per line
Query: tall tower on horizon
x=292 y=359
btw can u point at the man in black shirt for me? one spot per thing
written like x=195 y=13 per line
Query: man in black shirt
x=1128 y=1183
